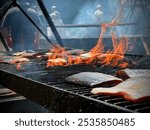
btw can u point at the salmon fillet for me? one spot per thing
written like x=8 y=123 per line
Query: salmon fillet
x=18 y=60
x=19 y=53
x=136 y=89
x=128 y=73
x=56 y=62
x=93 y=79
x=25 y=54
x=75 y=52
x=13 y=60
x=86 y=56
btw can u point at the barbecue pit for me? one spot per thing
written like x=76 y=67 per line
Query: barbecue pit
x=47 y=86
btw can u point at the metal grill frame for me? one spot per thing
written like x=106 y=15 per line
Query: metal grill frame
x=47 y=87
x=55 y=98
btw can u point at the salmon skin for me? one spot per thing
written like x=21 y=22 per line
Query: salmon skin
x=93 y=79
x=136 y=89
x=129 y=73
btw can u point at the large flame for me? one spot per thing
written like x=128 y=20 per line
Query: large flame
x=115 y=57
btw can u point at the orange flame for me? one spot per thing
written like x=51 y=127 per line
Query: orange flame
x=112 y=58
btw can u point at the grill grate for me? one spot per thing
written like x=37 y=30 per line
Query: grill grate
x=55 y=77
x=140 y=107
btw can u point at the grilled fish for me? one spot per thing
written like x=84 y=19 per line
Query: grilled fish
x=19 y=53
x=136 y=89
x=27 y=54
x=86 y=56
x=13 y=60
x=75 y=52
x=128 y=73
x=56 y=62
x=20 y=60
x=93 y=79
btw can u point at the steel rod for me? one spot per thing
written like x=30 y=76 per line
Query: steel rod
x=5 y=11
x=46 y=37
x=90 y=25
x=4 y=42
x=50 y=22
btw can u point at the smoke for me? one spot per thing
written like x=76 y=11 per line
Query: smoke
x=110 y=8
x=82 y=12
x=86 y=16
x=86 y=13
x=133 y=12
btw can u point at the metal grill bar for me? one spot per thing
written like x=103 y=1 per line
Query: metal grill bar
x=90 y=25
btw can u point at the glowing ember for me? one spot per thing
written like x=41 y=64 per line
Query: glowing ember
x=115 y=57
